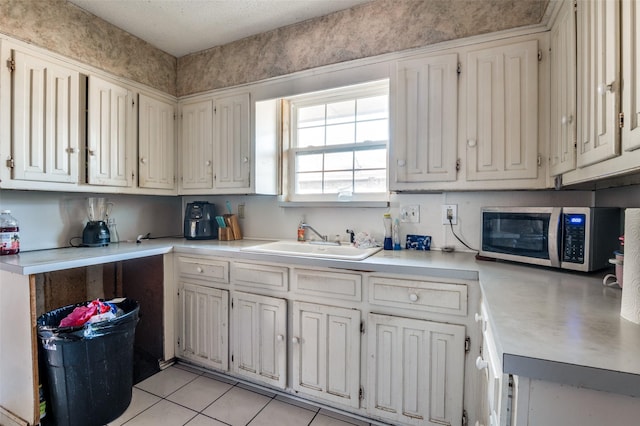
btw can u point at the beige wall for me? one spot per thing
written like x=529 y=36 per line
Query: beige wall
x=63 y=28
x=375 y=28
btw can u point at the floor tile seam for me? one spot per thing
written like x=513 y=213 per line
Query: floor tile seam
x=215 y=418
x=260 y=410
x=212 y=402
x=146 y=409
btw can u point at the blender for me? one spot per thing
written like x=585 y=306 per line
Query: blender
x=96 y=231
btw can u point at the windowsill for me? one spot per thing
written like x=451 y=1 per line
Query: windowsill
x=333 y=204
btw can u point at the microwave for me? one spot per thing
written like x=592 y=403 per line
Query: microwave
x=576 y=238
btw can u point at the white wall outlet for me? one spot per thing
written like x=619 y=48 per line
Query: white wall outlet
x=410 y=214
x=240 y=211
x=449 y=211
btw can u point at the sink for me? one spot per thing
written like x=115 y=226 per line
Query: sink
x=325 y=251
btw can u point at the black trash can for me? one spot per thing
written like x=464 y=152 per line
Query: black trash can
x=89 y=369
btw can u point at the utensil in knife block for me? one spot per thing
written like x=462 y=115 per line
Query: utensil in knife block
x=225 y=234
x=232 y=223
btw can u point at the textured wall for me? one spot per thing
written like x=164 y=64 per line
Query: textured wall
x=375 y=28
x=63 y=28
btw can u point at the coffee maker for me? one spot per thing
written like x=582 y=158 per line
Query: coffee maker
x=96 y=231
x=200 y=221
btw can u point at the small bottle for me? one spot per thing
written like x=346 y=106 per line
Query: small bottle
x=388 y=241
x=301 y=230
x=9 y=235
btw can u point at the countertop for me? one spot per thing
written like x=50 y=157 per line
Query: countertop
x=550 y=325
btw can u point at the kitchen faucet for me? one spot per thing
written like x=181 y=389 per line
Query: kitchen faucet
x=323 y=238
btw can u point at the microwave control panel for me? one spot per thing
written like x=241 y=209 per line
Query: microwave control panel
x=573 y=237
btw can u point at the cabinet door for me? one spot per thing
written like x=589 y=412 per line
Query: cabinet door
x=598 y=29
x=232 y=146
x=631 y=73
x=46 y=112
x=204 y=314
x=562 y=156
x=110 y=134
x=197 y=145
x=326 y=352
x=260 y=338
x=416 y=370
x=156 y=143
x=426 y=101
x=502 y=112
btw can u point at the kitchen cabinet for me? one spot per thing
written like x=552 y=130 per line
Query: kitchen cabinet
x=562 y=151
x=196 y=145
x=416 y=370
x=326 y=352
x=45 y=119
x=156 y=143
x=216 y=144
x=630 y=74
x=502 y=112
x=259 y=325
x=425 y=115
x=203 y=335
x=111 y=134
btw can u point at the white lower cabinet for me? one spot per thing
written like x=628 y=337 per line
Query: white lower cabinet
x=416 y=370
x=203 y=335
x=259 y=331
x=326 y=352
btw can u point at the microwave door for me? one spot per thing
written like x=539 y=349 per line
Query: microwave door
x=555 y=233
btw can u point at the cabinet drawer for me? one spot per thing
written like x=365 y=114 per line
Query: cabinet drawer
x=327 y=284
x=445 y=298
x=259 y=275
x=204 y=269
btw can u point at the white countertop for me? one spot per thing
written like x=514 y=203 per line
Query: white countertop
x=549 y=325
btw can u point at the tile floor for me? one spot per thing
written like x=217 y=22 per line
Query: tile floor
x=180 y=395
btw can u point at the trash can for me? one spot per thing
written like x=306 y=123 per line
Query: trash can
x=89 y=368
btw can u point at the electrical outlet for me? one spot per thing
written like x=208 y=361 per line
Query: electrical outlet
x=410 y=214
x=240 y=211
x=449 y=211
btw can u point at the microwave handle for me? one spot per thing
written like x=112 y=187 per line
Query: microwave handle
x=555 y=231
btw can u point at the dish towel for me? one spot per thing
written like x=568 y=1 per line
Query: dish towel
x=630 y=306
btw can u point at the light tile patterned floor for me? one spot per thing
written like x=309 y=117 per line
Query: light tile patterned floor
x=180 y=395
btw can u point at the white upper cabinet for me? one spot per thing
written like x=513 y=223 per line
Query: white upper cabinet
x=156 y=143
x=197 y=145
x=425 y=129
x=46 y=113
x=110 y=134
x=232 y=142
x=599 y=85
x=630 y=74
x=562 y=151
x=502 y=112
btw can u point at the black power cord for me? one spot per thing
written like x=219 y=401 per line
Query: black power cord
x=458 y=238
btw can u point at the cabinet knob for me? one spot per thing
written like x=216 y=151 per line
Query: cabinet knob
x=413 y=297
x=566 y=119
x=245 y=159
x=199 y=269
x=71 y=150
x=603 y=88
x=481 y=364
x=143 y=160
x=478 y=317
x=295 y=340
x=279 y=337
x=92 y=152
x=401 y=163
x=207 y=163
x=471 y=143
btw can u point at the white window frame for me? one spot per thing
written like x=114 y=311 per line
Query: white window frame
x=290 y=149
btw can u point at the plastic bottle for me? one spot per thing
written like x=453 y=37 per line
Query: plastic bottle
x=396 y=235
x=113 y=231
x=301 y=230
x=9 y=235
x=388 y=241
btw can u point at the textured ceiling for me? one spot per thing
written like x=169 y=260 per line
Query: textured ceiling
x=180 y=27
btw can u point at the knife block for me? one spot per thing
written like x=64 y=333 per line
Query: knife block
x=232 y=230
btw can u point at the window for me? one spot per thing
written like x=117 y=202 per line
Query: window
x=337 y=149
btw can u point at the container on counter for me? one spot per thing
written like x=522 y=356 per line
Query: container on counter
x=9 y=234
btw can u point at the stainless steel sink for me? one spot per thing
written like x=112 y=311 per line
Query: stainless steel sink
x=294 y=248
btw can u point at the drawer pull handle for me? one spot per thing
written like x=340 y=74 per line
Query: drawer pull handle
x=279 y=337
x=295 y=340
x=413 y=297
x=199 y=269
x=481 y=364
x=478 y=317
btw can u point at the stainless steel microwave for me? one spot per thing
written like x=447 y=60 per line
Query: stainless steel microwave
x=576 y=238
